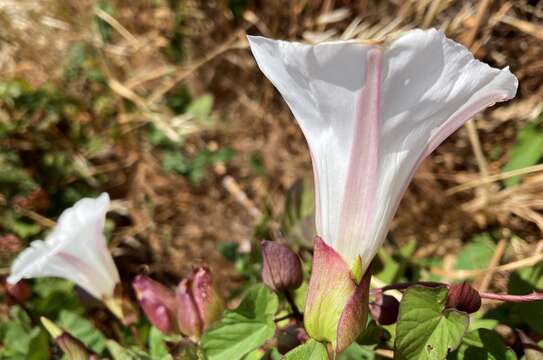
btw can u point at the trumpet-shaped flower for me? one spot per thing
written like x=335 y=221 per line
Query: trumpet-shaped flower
x=371 y=112
x=75 y=250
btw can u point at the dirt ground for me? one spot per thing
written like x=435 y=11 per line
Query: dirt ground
x=169 y=224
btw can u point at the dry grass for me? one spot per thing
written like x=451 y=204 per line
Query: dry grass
x=454 y=194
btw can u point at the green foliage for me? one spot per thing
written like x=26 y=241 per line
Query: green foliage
x=21 y=340
x=51 y=296
x=119 y=352
x=308 y=351
x=393 y=266
x=522 y=315
x=237 y=7
x=201 y=108
x=243 y=329
x=82 y=329
x=477 y=253
x=482 y=344
x=157 y=347
x=425 y=329
x=105 y=30
x=527 y=151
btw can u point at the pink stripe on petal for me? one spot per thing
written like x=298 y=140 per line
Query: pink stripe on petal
x=363 y=172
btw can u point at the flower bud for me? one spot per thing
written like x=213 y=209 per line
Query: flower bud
x=72 y=347
x=199 y=304
x=188 y=319
x=19 y=292
x=336 y=309
x=157 y=301
x=281 y=267
x=384 y=309
x=209 y=302
x=463 y=297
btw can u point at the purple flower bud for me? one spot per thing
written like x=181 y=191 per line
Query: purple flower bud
x=157 y=301
x=19 y=292
x=281 y=268
x=188 y=318
x=463 y=297
x=208 y=301
x=384 y=309
x=199 y=304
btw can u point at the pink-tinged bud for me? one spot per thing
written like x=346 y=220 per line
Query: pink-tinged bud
x=19 y=292
x=464 y=297
x=157 y=301
x=281 y=267
x=209 y=302
x=199 y=304
x=384 y=309
x=188 y=319
x=336 y=309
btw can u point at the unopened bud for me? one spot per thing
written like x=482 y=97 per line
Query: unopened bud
x=209 y=302
x=72 y=347
x=199 y=304
x=281 y=268
x=463 y=297
x=19 y=292
x=384 y=309
x=157 y=301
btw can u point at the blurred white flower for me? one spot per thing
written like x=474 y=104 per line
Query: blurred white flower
x=75 y=250
x=371 y=113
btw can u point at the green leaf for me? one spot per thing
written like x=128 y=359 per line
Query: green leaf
x=527 y=151
x=359 y=352
x=82 y=329
x=425 y=330
x=483 y=344
x=157 y=347
x=201 y=107
x=21 y=341
x=243 y=329
x=120 y=353
x=311 y=350
x=523 y=282
x=477 y=253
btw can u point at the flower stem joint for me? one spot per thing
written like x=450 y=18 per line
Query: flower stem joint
x=336 y=309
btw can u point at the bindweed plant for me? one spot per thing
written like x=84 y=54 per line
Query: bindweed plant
x=371 y=112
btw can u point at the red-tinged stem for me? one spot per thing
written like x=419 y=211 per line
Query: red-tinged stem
x=295 y=312
x=535 y=296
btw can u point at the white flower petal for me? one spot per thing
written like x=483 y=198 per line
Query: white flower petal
x=321 y=84
x=75 y=250
x=431 y=87
x=364 y=155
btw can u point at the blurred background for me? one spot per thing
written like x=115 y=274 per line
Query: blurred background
x=160 y=104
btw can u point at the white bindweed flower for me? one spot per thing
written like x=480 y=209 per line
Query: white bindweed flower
x=75 y=250
x=370 y=112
